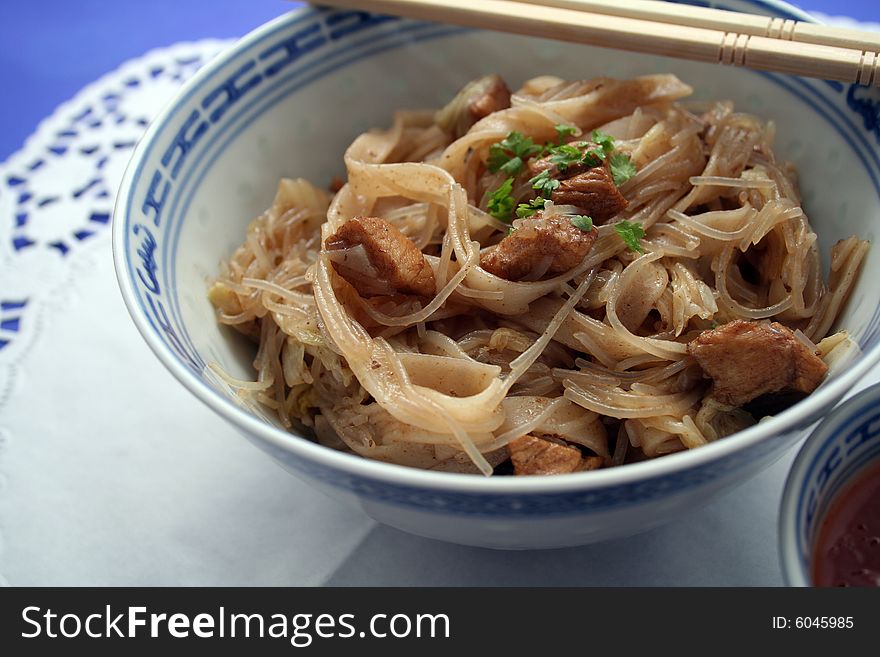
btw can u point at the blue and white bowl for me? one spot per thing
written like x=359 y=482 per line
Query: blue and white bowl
x=841 y=447
x=286 y=101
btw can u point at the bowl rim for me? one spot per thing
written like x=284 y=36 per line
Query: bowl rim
x=793 y=571
x=355 y=465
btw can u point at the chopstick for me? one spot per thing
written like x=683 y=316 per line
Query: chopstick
x=672 y=39
x=722 y=19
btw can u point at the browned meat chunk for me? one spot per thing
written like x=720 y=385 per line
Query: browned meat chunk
x=478 y=99
x=538 y=247
x=377 y=259
x=593 y=191
x=539 y=164
x=746 y=360
x=531 y=455
x=489 y=95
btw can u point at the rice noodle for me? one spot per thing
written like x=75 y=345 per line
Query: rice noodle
x=722 y=181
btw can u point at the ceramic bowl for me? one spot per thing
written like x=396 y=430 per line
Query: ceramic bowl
x=842 y=447
x=286 y=101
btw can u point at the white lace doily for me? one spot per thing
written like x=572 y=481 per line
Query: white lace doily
x=57 y=193
x=100 y=448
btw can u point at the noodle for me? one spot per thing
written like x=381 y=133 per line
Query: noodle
x=592 y=355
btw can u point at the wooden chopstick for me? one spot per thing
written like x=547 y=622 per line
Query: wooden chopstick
x=732 y=47
x=724 y=20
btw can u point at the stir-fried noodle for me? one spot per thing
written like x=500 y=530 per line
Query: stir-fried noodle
x=561 y=306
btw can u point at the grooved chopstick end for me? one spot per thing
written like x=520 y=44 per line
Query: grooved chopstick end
x=869 y=69
x=708 y=35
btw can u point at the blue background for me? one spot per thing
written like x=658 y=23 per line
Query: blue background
x=51 y=49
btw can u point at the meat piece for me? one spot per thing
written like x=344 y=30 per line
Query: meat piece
x=591 y=463
x=746 y=360
x=590 y=188
x=539 y=246
x=489 y=95
x=378 y=260
x=539 y=164
x=532 y=455
x=593 y=191
x=478 y=99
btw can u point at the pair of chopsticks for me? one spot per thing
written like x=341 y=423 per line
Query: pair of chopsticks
x=660 y=28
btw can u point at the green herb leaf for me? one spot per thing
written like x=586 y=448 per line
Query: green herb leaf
x=522 y=146
x=583 y=222
x=631 y=233
x=498 y=157
x=594 y=157
x=524 y=210
x=564 y=156
x=622 y=168
x=501 y=201
x=512 y=167
x=544 y=183
x=564 y=131
x=509 y=155
x=604 y=141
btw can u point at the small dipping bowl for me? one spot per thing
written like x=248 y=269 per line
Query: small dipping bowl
x=827 y=483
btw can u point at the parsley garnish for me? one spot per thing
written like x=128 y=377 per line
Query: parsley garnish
x=564 y=131
x=622 y=168
x=583 y=222
x=524 y=210
x=594 y=157
x=501 y=201
x=604 y=141
x=512 y=167
x=565 y=156
x=509 y=155
x=544 y=183
x=630 y=232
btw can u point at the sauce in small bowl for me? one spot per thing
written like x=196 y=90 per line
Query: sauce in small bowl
x=829 y=521
x=847 y=550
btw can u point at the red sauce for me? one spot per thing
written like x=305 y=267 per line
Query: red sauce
x=848 y=546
